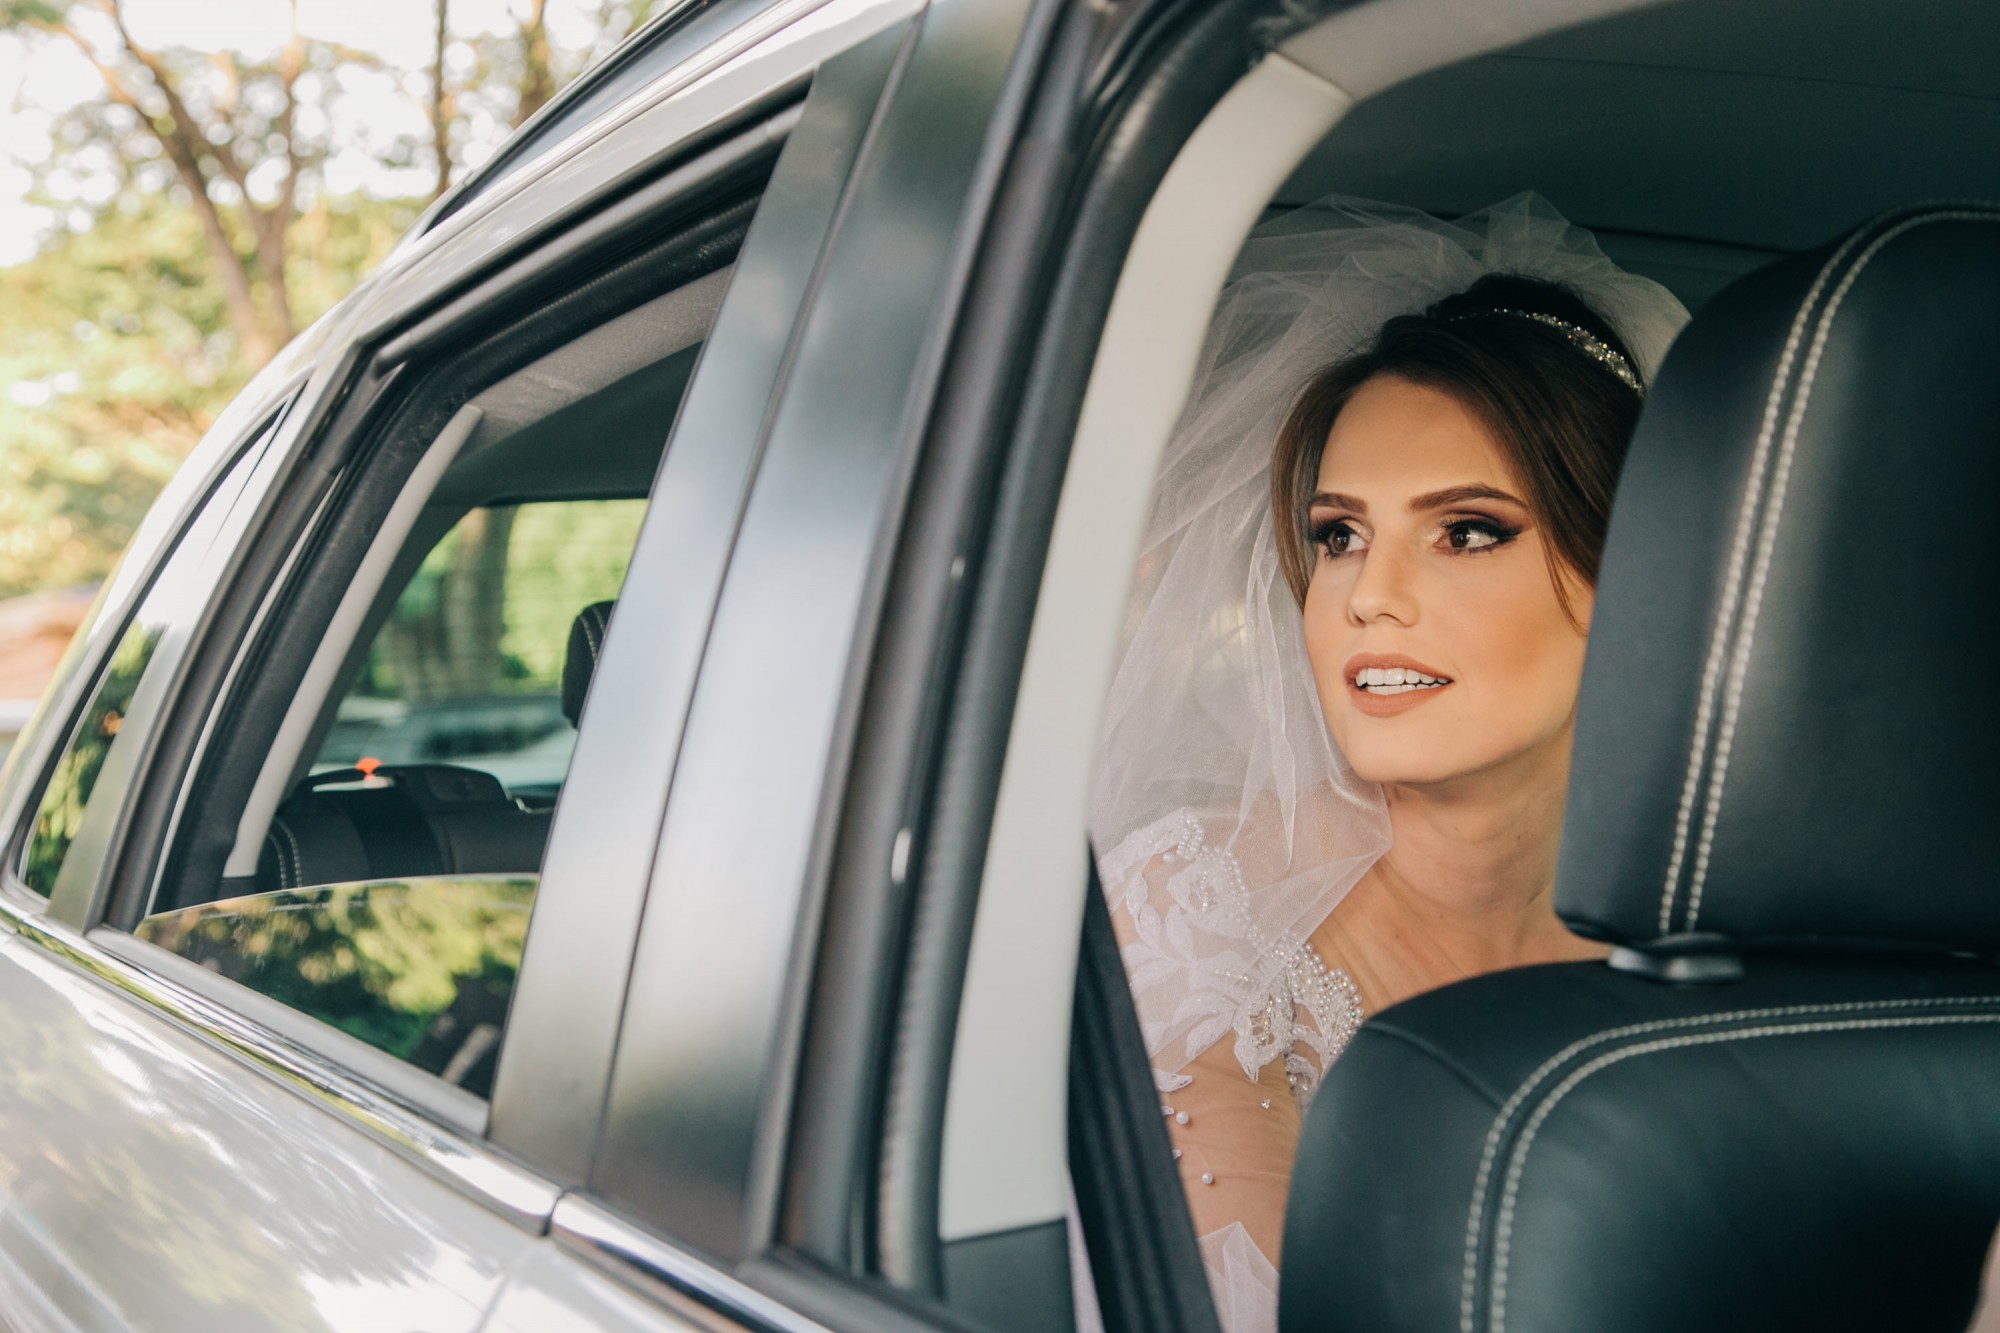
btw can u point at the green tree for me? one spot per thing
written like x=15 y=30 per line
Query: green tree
x=116 y=352
x=202 y=234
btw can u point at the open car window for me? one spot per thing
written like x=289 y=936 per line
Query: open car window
x=469 y=666
x=380 y=797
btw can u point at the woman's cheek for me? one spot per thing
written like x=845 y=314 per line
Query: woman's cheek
x=1324 y=626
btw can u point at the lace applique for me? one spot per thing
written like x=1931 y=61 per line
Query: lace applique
x=1195 y=938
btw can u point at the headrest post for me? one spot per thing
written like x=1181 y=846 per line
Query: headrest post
x=1679 y=969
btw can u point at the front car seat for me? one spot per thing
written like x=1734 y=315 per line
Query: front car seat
x=1779 y=1106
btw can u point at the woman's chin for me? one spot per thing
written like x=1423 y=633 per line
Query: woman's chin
x=1404 y=770
x=1404 y=750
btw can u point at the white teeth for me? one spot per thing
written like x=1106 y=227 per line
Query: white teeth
x=1396 y=680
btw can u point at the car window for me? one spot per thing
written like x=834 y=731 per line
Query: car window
x=99 y=733
x=393 y=886
x=381 y=794
x=468 y=668
x=420 y=968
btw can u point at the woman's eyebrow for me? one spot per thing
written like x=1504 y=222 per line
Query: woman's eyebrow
x=1450 y=495
x=1455 y=495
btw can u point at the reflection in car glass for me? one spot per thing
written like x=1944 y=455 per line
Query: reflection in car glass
x=421 y=969
x=63 y=800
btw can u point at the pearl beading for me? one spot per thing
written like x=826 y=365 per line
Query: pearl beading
x=1268 y=1026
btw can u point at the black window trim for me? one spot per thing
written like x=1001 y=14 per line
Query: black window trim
x=1140 y=80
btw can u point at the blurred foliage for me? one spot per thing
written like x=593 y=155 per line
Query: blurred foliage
x=415 y=967
x=211 y=204
x=468 y=625
x=116 y=354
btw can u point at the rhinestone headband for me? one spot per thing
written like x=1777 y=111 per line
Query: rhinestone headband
x=1580 y=338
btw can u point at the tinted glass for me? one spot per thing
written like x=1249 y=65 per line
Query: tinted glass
x=421 y=969
x=186 y=580
x=468 y=668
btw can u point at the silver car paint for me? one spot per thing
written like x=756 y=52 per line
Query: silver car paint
x=164 y=1186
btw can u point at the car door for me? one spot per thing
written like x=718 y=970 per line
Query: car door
x=729 y=1168
x=189 y=1150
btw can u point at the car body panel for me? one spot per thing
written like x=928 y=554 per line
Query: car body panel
x=554 y=1290
x=167 y=1188
x=548 y=1099
x=695 y=1103
x=237 y=1202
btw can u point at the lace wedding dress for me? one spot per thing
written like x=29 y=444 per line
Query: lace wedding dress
x=1228 y=827
x=1181 y=907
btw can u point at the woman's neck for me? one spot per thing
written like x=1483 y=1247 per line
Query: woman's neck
x=1465 y=886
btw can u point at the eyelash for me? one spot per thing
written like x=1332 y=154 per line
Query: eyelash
x=1500 y=532
x=1325 y=531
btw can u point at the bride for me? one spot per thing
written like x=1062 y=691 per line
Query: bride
x=1334 y=760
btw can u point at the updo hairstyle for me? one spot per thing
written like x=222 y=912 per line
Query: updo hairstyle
x=1561 y=417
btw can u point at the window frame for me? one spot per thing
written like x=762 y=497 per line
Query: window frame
x=403 y=421
x=737 y=1177
x=1167 y=71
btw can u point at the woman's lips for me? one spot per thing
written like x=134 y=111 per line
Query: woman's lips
x=1391 y=670
x=1388 y=705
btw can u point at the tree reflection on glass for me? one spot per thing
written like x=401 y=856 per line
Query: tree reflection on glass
x=60 y=814
x=420 y=968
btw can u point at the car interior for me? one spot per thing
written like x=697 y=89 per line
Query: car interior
x=581 y=426
x=1700 y=142
x=412 y=773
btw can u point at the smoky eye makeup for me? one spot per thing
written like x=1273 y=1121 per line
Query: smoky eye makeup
x=1334 y=534
x=1465 y=534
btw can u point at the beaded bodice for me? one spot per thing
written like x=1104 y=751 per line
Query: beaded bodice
x=1195 y=943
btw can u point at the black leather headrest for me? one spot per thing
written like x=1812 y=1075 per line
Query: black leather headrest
x=1787 y=725
x=586 y=645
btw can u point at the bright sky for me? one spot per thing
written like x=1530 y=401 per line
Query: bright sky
x=33 y=90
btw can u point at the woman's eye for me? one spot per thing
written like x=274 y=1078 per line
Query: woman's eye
x=1475 y=535
x=1338 y=539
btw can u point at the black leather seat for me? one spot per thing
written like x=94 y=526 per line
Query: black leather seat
x=1779 y=1107
x=422 y=819
x=586 y=645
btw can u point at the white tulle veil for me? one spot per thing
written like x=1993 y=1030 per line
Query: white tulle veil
x=1227 y=825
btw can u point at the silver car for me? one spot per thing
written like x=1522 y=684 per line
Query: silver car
x=747 y=466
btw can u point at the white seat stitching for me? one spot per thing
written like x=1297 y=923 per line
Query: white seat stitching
x=1767 y=540
x=1496 y=1319
x=1725 y=611
x=1483 y=1180
x=298 y=874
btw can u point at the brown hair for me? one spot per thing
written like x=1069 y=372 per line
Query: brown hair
x=1562 y=419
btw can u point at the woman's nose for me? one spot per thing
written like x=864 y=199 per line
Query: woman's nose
x=1381 y=589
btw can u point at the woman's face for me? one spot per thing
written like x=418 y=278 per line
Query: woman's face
x=1437 y=642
